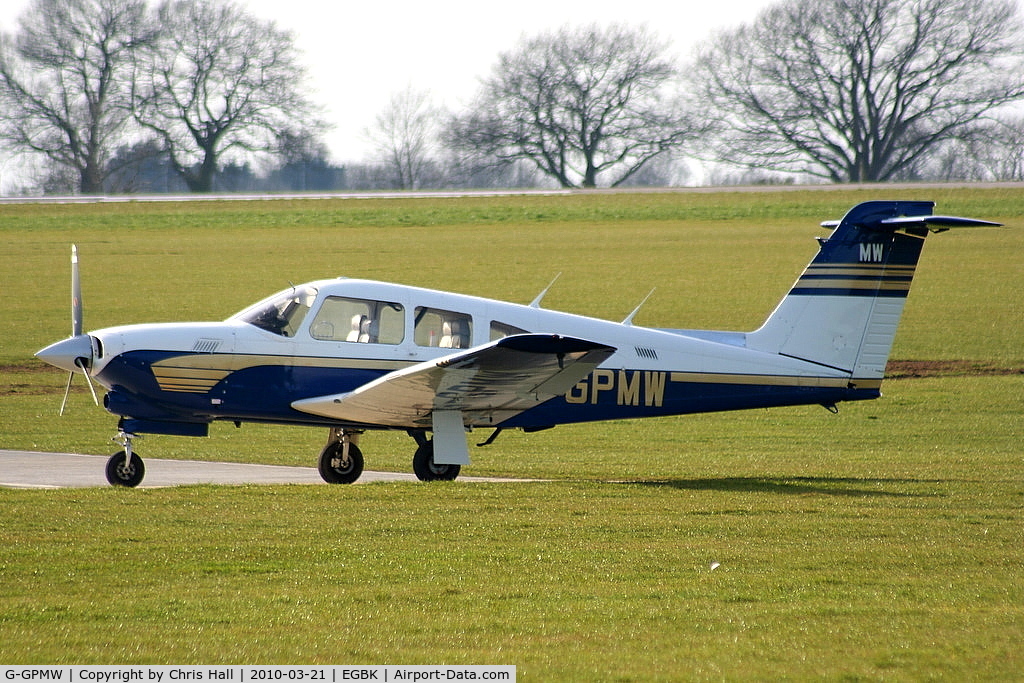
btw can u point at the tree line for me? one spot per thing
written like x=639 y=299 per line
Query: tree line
x=198 y=95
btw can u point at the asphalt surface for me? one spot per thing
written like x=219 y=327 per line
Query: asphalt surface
x=32 y=470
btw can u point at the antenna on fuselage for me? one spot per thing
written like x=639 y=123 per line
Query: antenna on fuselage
x=536 y=302
x=629 y=318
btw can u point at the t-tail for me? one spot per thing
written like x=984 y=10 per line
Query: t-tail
x=843 y=311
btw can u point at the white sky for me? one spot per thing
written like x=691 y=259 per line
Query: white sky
x=359 y=53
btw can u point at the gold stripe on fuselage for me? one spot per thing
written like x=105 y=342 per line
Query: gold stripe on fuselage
x=775 y=380
x=198 y=373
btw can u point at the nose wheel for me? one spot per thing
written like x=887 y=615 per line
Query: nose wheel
x=125 y=468
x=341 y=461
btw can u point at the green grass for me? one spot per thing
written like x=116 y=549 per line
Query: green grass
x=901 y=563
x=883 y=542
x=718 y=260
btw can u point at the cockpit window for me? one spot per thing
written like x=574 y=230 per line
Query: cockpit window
x=281 y=314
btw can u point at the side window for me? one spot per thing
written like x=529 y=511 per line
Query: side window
x=444 y=329
x=359 y=320
x=499 y=330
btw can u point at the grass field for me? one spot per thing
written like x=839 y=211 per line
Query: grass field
x=883 y=542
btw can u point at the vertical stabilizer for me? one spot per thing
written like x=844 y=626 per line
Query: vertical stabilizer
x=844 y=309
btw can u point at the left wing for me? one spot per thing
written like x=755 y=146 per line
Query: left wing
x=497 y=380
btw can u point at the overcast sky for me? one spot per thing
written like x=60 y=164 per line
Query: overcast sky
x=358 y=54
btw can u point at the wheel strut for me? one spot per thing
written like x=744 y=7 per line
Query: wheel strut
x=347 y=438
x=125 y=440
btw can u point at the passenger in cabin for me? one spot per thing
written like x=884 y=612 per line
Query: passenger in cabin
x=453 y=335
x=357 y=327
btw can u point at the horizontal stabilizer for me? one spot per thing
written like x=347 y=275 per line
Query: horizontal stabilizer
x=940 y=221
x=876 y=221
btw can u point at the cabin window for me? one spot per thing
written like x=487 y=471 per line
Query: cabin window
x=283 y=313
x=444 y=329
x=501 y=330
x=359 y=320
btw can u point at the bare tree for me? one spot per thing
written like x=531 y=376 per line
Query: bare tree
x=405 y=135
x=302 y=164
x=999 y=149
x=994 y=151
x=858 y=90
x=64 y=82
x=578 y=103
x=218 y=82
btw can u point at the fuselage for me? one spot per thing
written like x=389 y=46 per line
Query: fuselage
x=333 y=336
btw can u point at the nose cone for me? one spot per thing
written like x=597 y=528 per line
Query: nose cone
x=64 y=354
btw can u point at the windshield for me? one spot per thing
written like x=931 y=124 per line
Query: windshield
x=283 y=313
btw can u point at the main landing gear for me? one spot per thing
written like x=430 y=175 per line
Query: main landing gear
x=341 y=461
x=423 y=464
x=125 y=467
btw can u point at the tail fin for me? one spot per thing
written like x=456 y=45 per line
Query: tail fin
x=843 y=310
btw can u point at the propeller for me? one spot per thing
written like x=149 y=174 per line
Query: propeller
x=73 y=354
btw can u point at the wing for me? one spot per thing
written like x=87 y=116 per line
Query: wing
x=491 y=383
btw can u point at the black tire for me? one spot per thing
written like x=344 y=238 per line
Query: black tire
x=121 y=472
x=331 y=468
x=427 y=470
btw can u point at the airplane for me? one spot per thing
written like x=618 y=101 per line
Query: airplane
x=352 y=355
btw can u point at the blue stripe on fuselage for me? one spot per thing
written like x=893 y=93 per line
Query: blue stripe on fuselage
x=265 y=392
x=261 y=392
x=681 y=398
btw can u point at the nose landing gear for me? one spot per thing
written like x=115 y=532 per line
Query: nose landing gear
x=125 y=468
x=341 y=461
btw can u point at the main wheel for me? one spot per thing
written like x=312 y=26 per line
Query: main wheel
x=124 y=472
x=334 y=469
x=427 y=470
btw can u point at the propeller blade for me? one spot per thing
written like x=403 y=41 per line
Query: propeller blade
x=88 y=380
x=70 y=352
x=76 y=294
x=67 y=392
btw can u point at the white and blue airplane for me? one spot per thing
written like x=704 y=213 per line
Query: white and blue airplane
x=353 y=355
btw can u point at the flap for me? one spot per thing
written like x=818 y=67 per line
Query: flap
x=504 y=377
